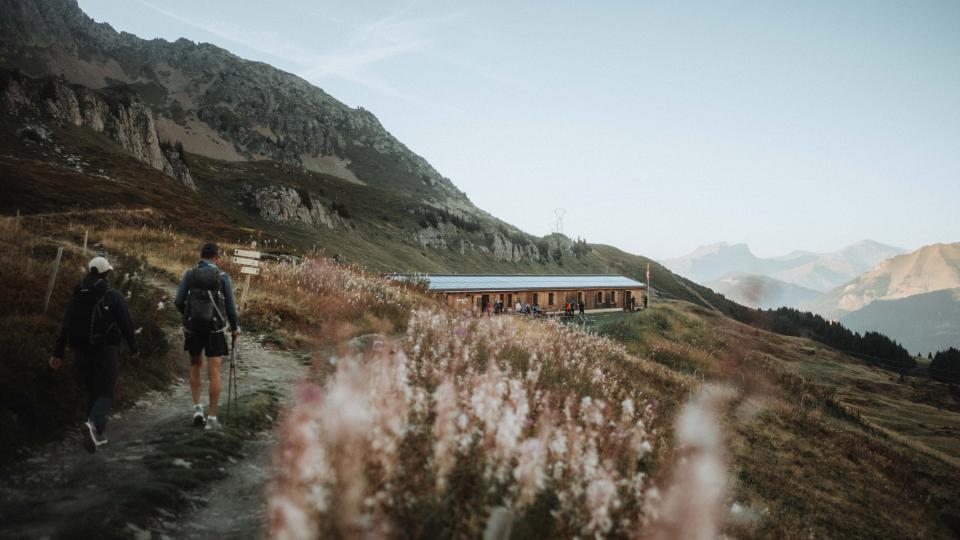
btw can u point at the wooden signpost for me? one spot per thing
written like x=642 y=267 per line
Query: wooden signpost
x=249 y=262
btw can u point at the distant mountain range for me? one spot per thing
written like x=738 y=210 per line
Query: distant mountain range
x=817 y=271
x=912 y=297
x=761 y=291
x=931 y=268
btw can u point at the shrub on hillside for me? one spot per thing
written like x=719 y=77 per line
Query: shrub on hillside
x=877 y=347
x=465 y=415
x=945 y=366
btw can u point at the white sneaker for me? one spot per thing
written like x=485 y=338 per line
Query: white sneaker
x=212 y=424
x=198 y=418
x=88 y=436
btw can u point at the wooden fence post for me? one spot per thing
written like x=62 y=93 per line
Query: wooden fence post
x=53 y=279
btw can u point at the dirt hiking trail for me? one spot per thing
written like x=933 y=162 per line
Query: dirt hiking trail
x=159 y=476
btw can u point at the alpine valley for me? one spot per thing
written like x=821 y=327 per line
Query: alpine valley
x=868 y=286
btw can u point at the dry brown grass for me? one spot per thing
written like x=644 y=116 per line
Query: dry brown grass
x=821 y=444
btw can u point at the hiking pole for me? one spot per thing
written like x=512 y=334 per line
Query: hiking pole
x=232 y=391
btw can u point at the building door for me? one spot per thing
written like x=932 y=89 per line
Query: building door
x=484 y=303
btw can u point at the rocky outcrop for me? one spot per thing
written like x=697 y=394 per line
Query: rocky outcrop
x=178 y=166
x=440 y=236
x=446 y=235
x=505 y=249
x=122 y=118
x=285 y=204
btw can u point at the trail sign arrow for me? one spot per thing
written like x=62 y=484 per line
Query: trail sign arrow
x=246 y=262
x=247 y=253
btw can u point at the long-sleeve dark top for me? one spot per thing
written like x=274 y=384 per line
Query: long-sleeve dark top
x=225 y=283
x=113 y=300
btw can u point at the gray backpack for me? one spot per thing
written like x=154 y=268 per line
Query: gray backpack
x=205 y=303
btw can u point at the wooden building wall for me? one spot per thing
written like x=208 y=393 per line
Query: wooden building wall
x=593 y=298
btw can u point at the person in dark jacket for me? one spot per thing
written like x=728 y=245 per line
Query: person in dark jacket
x=97 y=360
x=214 y=343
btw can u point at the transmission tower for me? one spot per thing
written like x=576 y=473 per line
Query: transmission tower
x=558 y=224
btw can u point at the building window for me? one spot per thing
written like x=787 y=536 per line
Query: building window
x=550 y=299
x=613 y=297
x=536 y=298
x=599 y=297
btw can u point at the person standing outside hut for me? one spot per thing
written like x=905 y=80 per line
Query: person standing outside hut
x=205 y=299
x=96 y=320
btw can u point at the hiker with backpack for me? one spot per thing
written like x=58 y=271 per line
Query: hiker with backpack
x=205 y=299
x=96 y=320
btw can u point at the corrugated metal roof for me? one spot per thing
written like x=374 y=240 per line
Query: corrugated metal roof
x=523 y=282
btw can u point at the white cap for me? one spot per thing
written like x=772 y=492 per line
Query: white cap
x=100 y=264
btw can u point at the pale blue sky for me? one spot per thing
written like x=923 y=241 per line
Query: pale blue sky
x=658 y=126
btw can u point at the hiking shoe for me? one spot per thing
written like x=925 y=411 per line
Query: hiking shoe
x=212 y=424
x=101 y=440
x=198 y=418
x=88 y=436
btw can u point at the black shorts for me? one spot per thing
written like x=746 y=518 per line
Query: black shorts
x=212 y=344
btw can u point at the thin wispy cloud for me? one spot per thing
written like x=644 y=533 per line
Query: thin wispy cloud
x=383 y=40
x=401 y=31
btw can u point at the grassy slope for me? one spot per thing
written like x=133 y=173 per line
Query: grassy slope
x=821 y=444
x=379 y=234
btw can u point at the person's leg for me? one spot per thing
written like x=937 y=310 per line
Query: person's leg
x=105 y=380
x=196 y=363
x=193 y=344
x=85 y=367
x=213 y=373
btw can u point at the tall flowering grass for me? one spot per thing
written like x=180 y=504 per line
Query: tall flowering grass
x=329 y=300
x=463 y=415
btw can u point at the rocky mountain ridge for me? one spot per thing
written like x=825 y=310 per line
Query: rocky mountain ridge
x=215 y=103
x=931 y=268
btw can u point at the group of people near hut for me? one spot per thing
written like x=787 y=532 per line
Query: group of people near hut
x=570 y=308
x=497 y=307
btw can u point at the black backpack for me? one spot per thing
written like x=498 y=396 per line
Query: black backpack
x=91 y=320
x=205 y=305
